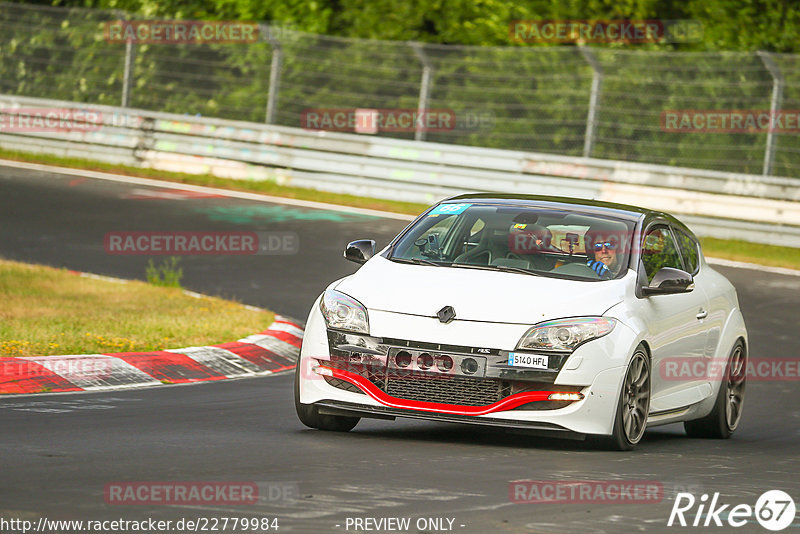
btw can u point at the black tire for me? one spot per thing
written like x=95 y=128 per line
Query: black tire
x=723 y=420
x=633 y=404
x=309 y=414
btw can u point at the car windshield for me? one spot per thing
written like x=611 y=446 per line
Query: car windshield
x=562 y=243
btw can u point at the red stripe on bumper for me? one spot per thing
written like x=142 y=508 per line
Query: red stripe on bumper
x=372 y=390
x=23 y=376
x=169 y=366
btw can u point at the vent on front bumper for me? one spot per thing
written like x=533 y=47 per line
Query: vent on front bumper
x=376 y=359
x=343 y=384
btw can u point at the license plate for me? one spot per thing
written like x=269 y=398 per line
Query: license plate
x=536 y=361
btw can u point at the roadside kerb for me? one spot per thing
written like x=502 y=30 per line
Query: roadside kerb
x=271 y=351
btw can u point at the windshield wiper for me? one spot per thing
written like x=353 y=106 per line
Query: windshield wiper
x=417 y=261
x=510 y=269
x=472 y=266
x=503 y=268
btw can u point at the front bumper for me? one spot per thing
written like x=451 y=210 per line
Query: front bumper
x=347 y=409
x=355 y=373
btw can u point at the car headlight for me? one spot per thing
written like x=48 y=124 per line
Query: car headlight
x=565 y=334
x=343 y=312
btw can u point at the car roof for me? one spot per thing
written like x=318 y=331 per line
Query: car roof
x=622 y=211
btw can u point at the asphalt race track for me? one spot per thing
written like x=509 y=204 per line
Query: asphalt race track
x=58 y=452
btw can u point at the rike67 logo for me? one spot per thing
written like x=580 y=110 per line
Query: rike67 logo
x=774 y=510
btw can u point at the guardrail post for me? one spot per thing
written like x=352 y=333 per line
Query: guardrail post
x=591 y=117
x=274 y=74
x=775 y=102
x=127 y=76
x=424 y=90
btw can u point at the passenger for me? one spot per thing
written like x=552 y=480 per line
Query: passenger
x=606 y=262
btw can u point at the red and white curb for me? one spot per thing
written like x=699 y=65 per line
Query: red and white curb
x=274 y=350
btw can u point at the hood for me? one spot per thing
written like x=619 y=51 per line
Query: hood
x=477 y=295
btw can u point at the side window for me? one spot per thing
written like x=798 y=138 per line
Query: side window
x=689 y=248
x=659 y=251
x=473 y=237
x=477 y=227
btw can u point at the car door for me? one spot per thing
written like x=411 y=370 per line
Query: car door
x=675 y=323
x=718 y=305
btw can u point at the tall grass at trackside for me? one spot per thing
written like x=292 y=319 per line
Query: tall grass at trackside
x=48 y=311
x=165 y=274
x=763 y=254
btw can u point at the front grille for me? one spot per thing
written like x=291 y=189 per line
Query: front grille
x=376 y=359
x=445 y=389
x=448 y=389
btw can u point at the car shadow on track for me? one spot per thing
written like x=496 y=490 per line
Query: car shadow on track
x=468 y=435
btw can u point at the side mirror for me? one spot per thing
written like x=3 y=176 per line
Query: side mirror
x=360 y=251
x=669 y=281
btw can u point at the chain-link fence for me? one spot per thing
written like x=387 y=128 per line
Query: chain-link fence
x=568 y=100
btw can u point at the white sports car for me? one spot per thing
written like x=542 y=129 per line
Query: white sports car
x=574 y=317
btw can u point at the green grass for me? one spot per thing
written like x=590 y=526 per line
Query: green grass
x=49 y=311
x=734 y=250
x=771 y=255
x=166 y=274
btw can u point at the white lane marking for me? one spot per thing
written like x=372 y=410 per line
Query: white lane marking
x=203 y=189
x=41 y=410
x=103 y=278
x=220 y=360
x=173 y=194
x=66 y=406
x=753 y=266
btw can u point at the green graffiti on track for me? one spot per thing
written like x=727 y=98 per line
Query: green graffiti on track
x=262 y=214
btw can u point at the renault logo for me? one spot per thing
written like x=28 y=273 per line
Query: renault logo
x=446 y=314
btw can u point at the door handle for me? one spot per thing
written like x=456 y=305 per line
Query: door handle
x=702 y=314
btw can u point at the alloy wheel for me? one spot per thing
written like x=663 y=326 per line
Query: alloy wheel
x=636 y=397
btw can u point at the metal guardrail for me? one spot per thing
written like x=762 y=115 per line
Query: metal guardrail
x=726 y=205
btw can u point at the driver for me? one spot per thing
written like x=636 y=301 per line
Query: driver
x=606 y=263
